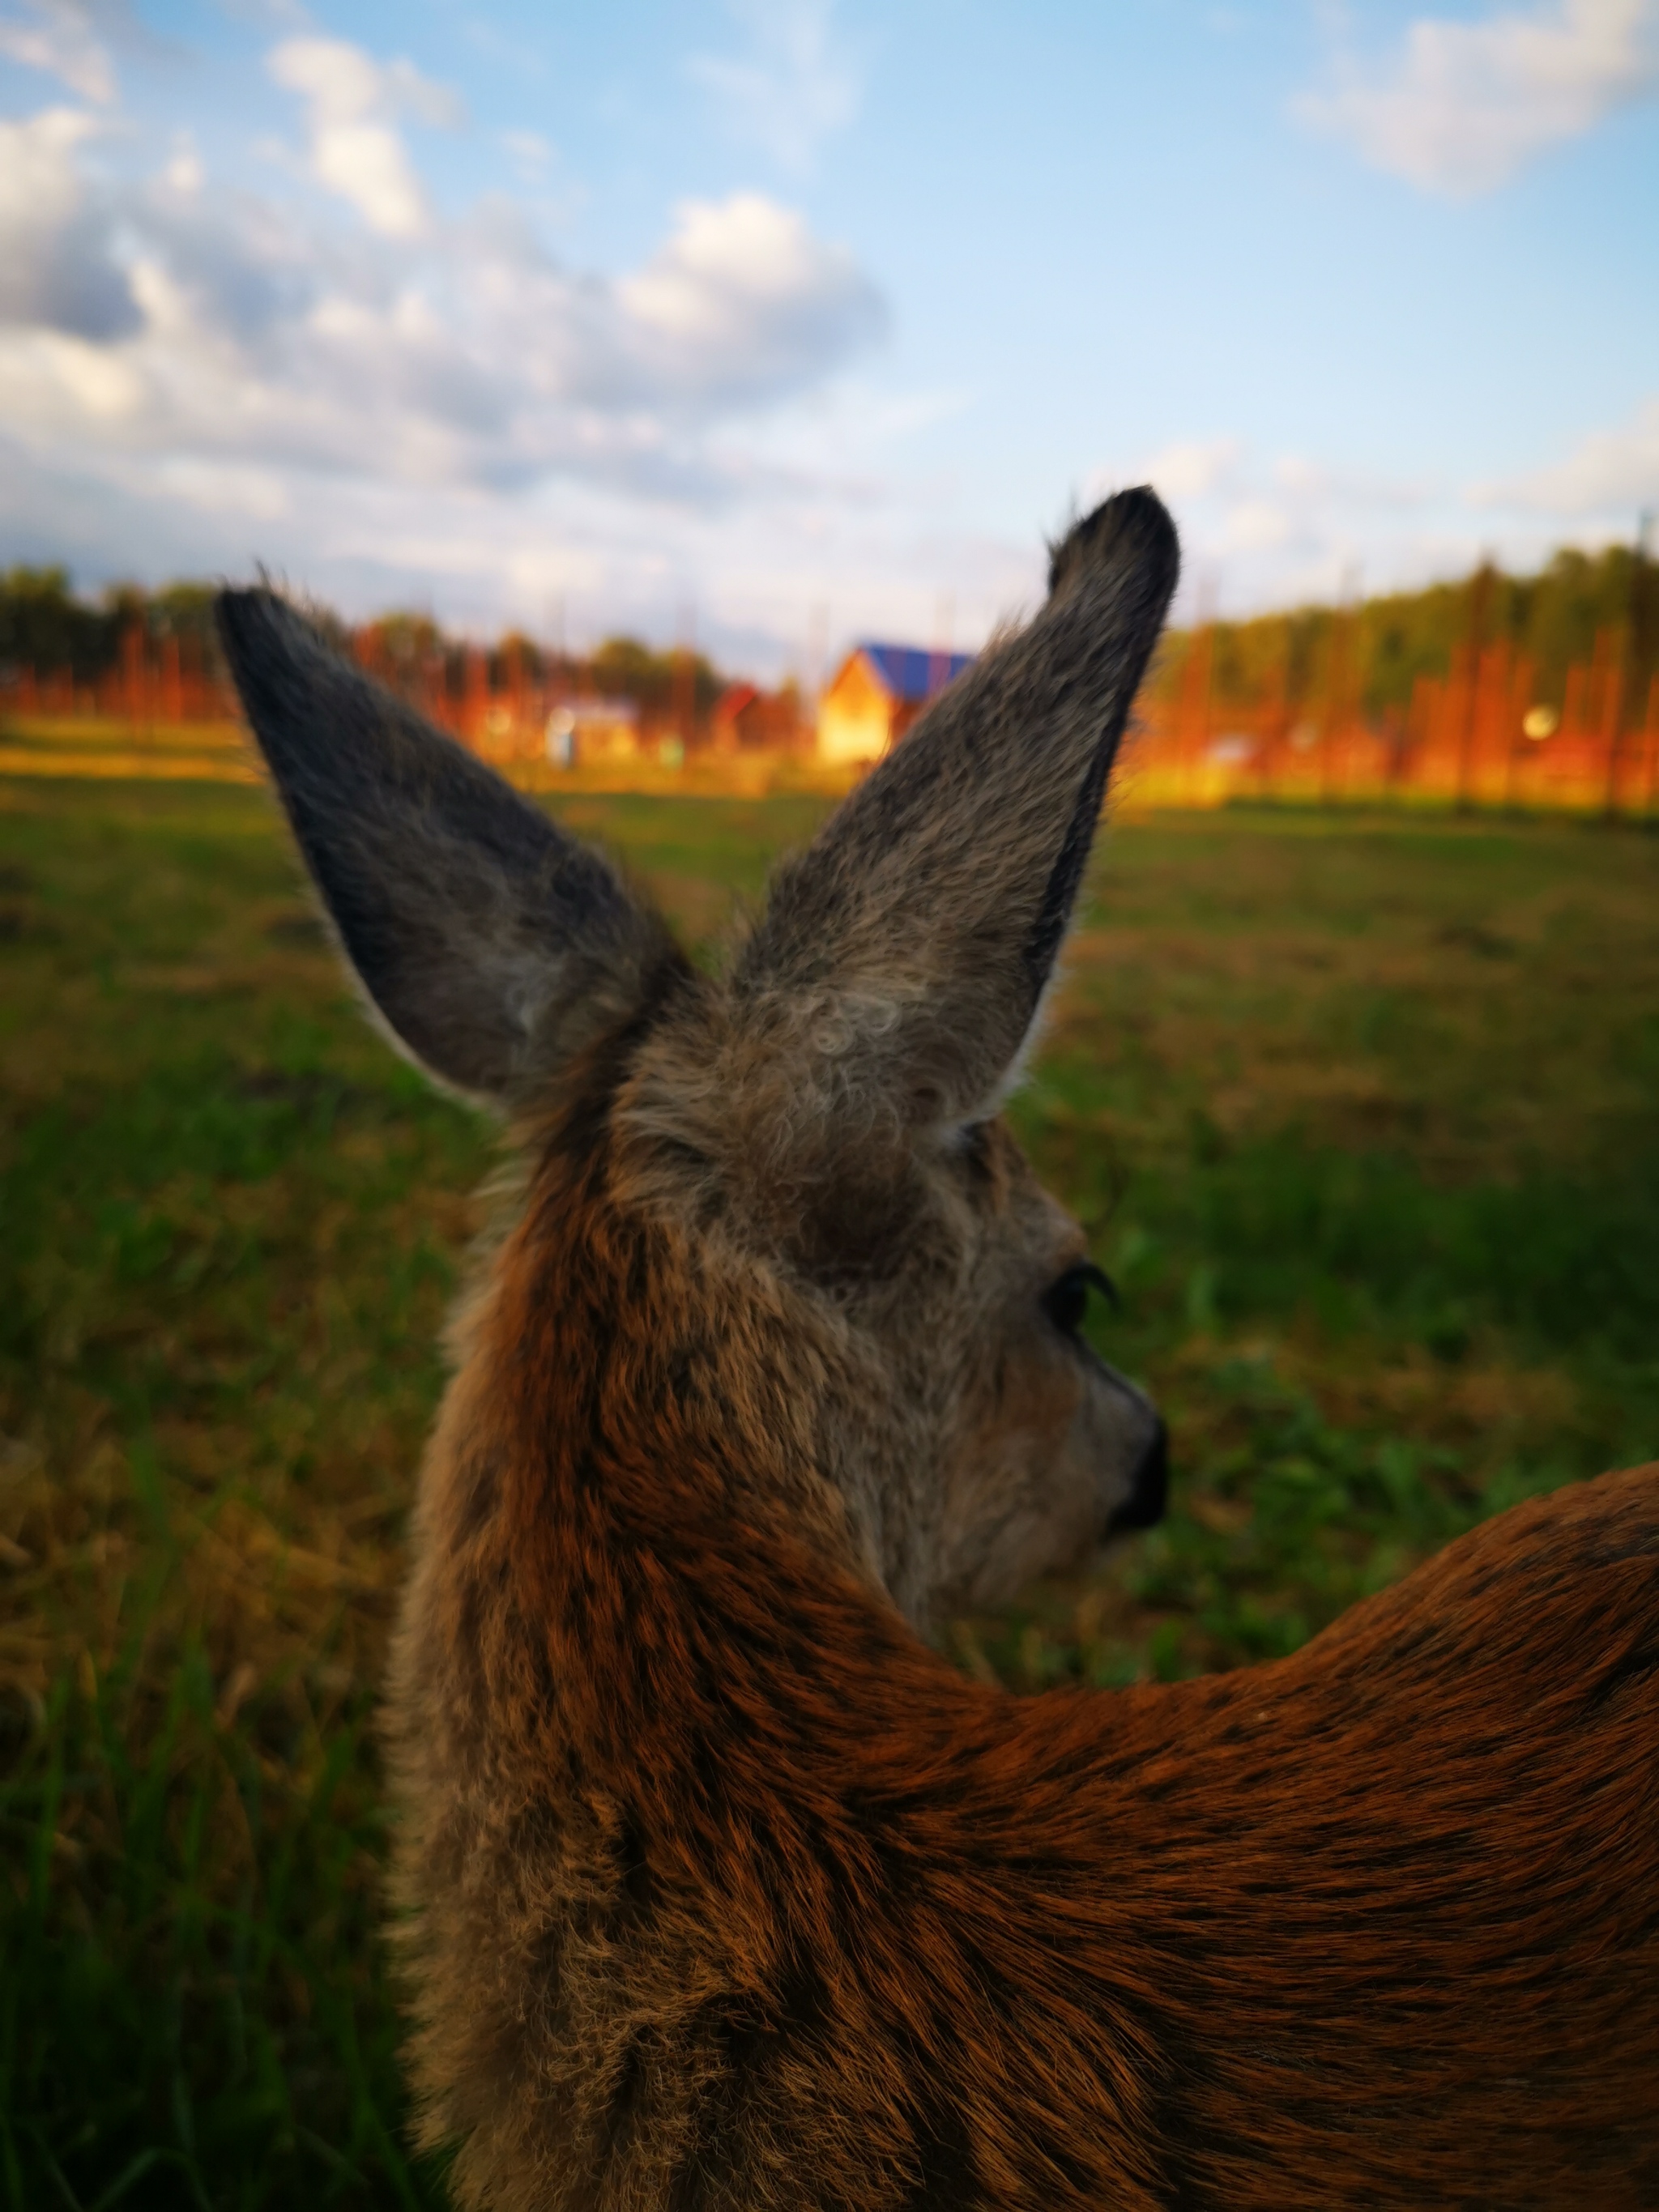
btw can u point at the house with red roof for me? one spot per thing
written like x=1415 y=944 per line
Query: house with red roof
x=748 y=720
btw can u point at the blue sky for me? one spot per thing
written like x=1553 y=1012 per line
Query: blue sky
x=809 y=319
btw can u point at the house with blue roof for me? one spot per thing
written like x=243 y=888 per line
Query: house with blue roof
x=877 y=692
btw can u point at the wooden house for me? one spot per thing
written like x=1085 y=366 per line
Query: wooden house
x=877 y=692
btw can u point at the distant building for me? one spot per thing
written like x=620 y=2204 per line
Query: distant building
x=586 y=732
x=877 y=692
x=748 y=720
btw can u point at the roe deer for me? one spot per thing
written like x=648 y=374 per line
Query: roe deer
x=724 y=1891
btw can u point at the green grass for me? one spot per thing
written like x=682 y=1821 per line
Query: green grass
x=1359 y=1113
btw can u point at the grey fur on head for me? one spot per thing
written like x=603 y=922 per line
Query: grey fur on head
x=812 y=1115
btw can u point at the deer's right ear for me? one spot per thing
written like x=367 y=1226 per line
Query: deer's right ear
x=485 y=937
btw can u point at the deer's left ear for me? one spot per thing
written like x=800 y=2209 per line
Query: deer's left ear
x=487 y=938
x=901 y=960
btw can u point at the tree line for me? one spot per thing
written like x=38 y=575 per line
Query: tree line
x=44 y=624
x=1374 y=652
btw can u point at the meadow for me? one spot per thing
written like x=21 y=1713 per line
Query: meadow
x=1359 y=1109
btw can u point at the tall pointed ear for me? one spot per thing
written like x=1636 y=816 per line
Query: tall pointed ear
x=901 y=960
x=482 y=934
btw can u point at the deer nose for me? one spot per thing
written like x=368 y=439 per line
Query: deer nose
x=1149 y=1491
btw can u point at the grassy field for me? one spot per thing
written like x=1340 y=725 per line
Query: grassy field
x=103 y=747
x=1360 y=1114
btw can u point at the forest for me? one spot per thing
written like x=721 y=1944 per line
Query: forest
x=45 y=625
x=1375 y=650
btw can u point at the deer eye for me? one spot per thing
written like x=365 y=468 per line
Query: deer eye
x=1066 y=1301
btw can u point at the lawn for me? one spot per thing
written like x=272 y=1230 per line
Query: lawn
x=1360 y=1114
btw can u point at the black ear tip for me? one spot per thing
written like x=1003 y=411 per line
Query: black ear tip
x=243 y=621
x=248 y=619
x=269 y=644
x=1131 y=529
x=236 y=605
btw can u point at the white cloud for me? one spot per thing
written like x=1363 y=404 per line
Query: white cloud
x=184 y=171
x=1610 y=474
x=396 y=403
x=226 y=488
x=1256 y=525
x=1186 y=470
x=1310 y=482
x=355 y=149
x=1265 y=529
x=531 y=154
x=58 y=36
x=743 y=300
x=792 y=90
x=1468 y=104
x=1296 y=473
x=57 y=267
x=1193 y=466
x=161 y=319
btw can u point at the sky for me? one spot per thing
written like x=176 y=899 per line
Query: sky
x=775 y=323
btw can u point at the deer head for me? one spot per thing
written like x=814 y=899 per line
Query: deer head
x=876 y=1285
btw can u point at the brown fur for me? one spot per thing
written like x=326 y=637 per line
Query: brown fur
x=723 y=1893
x=733 y=1894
